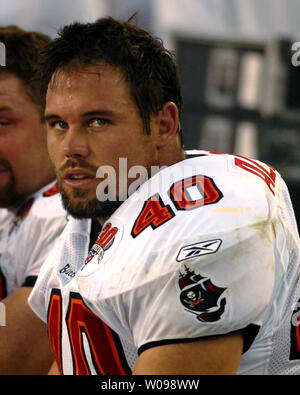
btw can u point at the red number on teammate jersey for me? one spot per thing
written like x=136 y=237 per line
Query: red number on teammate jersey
x=93 y=344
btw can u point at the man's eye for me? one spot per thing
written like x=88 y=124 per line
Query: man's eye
x=4 y=122
x=98 y=122
x=60 y=125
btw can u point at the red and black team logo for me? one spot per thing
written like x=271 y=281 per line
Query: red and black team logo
x=104 y=241
x=201 y=297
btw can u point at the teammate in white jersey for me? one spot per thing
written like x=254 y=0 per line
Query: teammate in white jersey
x=31 y=214
x=196 y=268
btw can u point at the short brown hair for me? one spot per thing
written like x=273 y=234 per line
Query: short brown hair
x=149 y=68
x=22 y=55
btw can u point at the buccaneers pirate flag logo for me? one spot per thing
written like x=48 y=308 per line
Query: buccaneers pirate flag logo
x=201 y=297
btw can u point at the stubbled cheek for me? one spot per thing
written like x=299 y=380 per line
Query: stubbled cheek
x=54 y=153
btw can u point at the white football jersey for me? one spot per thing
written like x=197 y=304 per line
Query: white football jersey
x=5 y=218
x=27 y=234
x=207 y=246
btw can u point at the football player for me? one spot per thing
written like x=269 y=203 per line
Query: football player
x=31 y=214
x=196 y=267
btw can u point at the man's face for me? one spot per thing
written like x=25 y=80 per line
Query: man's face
x=92 y=122
x=24 y=161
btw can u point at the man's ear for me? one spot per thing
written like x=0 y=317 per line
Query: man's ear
x=167 y=123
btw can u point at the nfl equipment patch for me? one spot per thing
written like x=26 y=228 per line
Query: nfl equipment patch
x=104 y=241
x=104 y=247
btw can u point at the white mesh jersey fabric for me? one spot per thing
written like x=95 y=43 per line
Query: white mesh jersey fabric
x=130 y=352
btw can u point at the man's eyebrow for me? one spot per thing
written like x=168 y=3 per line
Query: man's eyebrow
x=48 y=117
x=103 y=113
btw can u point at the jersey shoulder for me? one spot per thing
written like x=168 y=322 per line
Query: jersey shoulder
x=235 y=189
x=5 y=217
x=203 y=211
x=237 y=167
x=48 y=203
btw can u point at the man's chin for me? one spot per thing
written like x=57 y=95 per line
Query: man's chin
x=80 y=208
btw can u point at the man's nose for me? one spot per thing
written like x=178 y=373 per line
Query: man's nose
x=76 y=144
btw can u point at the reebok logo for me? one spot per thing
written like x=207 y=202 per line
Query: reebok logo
x=198 y=249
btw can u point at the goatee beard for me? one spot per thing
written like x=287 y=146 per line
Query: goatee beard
x=88 y=208
x=76 y=202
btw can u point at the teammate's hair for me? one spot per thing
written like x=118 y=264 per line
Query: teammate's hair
x=149 y=68
x=22 y=54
